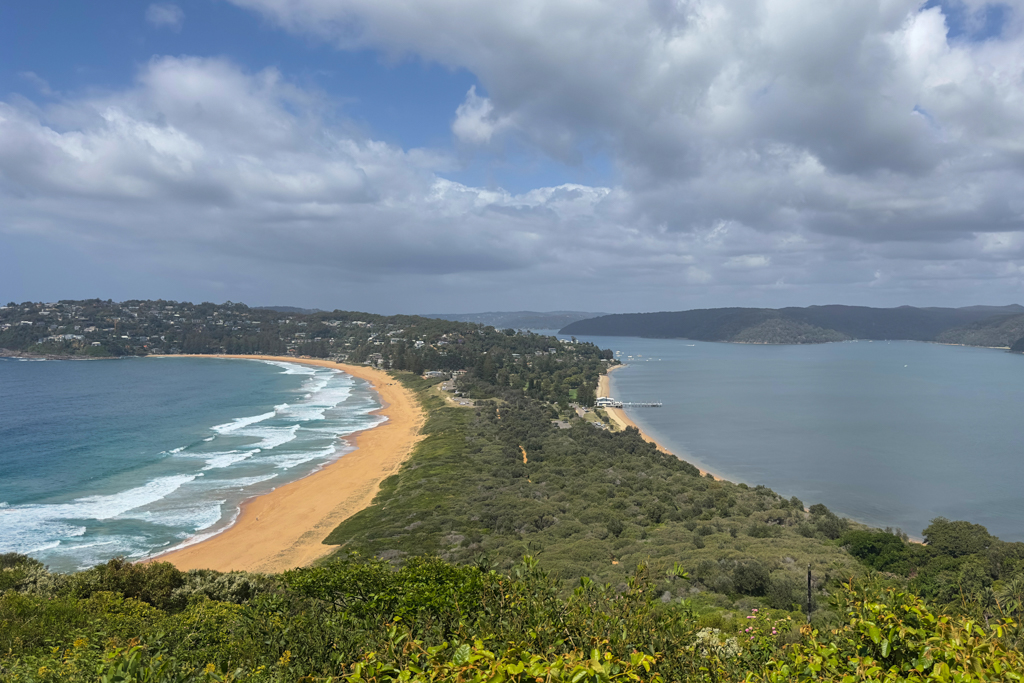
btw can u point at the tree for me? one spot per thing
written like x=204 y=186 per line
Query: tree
x=585 y=395
x=877 y=549
x=957 y=538
x=751 y=578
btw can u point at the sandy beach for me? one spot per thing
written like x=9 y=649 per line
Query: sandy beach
x=619 y=417
x=284 y=528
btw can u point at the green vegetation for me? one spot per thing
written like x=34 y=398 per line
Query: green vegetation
x=508 y=548
x=529 y=320
x=588 y=503
x=359 y=619
x=973 y=325
x=546 y=368
x=1002 y=330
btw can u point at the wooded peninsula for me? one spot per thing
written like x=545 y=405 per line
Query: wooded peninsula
x=991 y=326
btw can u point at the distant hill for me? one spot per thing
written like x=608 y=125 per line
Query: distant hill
x=1001 y=330
x=288 y=309
x=971 y=325
x=519 y=320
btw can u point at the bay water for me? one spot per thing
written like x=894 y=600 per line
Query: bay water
x=133 y=457
x=887 y=433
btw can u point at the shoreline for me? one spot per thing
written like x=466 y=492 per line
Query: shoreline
x=619 y=417
x=284 y=528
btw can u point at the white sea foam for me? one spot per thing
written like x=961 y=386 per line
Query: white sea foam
x=107 y=507
x=242 y=482
x=292 y=368
x=272 y=437
x=286 y=462
x=197 y=538
x=24 y=525
x=220 y=460
x=315 y=407
x=241 y=422
x=45 y=546
x=192 y=517
x=94 y=544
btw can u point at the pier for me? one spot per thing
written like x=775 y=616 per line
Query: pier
x=608 y=402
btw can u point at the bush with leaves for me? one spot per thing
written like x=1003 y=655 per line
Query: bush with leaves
x=891 y=635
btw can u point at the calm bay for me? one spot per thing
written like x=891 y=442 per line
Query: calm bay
x=887 y=433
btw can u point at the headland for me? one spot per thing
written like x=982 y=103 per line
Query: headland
x=285 y=528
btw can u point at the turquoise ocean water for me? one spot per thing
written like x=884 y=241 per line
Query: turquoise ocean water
x=136 y=456
x=888 y=433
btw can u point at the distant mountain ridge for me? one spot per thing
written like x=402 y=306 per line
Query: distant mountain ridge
x=519 y=320
x=288 y=309
x=972 y=325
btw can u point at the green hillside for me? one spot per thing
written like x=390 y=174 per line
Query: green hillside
x=811 y=325
x=1000 y=331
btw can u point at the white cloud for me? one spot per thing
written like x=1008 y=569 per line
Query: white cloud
x=837 y=150
x=827 y=114
x=474 y=119
x=165 y=15
x=203 y=161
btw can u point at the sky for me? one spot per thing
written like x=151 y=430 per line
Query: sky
x=417 y=156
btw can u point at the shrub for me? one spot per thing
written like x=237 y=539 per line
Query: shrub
x=751 y=578
x=153 y=582
x=762 y=530
x=831 y=525
x=957 y=539
x=784 y=592
x=878 y=550
x=234 y=587
x=615 y=526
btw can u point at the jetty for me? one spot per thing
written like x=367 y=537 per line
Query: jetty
x=609 y=402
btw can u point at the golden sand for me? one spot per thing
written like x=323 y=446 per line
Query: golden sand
x=285 y=528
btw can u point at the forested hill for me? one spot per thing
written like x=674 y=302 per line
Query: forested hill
x=520 y=320
x=811 y=325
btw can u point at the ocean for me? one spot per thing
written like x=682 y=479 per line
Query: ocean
x=886 y=433
x=136 y=456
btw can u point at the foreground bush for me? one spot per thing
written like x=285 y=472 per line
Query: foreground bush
x=365 y=621
x=893 y=636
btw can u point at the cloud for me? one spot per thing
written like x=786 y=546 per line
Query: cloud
x=768 y=152
x=474 y=119
x=204 y=163
x=165 y=15
x=857 y=133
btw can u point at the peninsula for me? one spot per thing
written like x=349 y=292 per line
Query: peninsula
x=994 y=326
